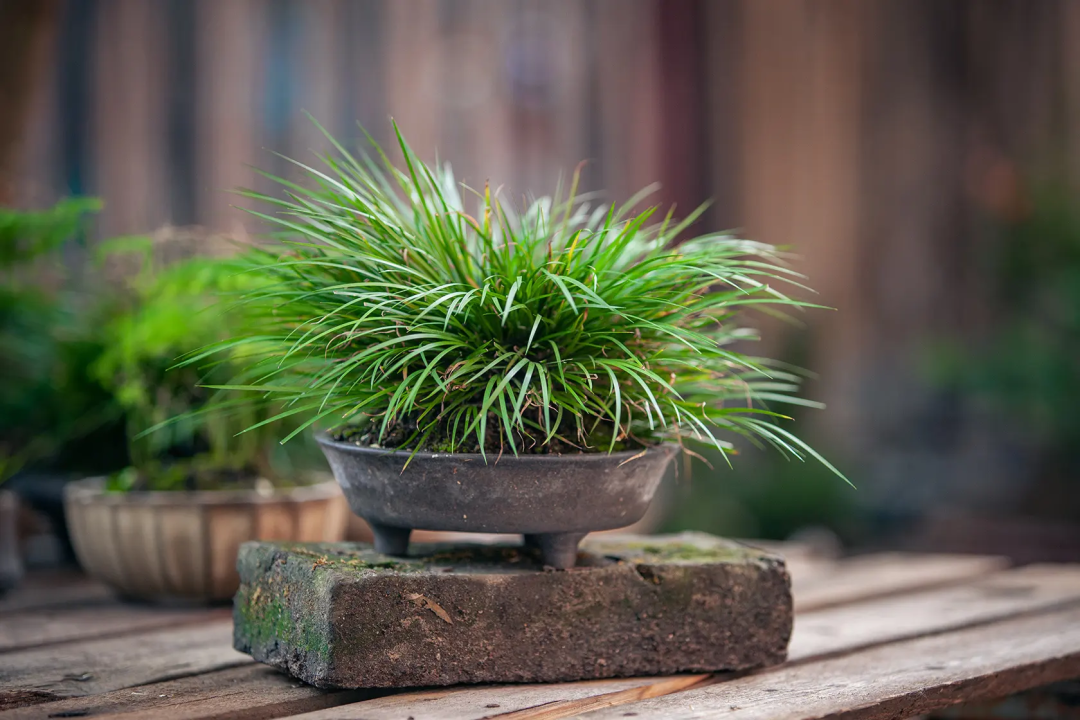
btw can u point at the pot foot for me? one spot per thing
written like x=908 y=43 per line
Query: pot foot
x=559 y=550
x=390 y=540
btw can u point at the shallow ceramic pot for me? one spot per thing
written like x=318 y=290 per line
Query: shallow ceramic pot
x=553 y=500
x=183 y=545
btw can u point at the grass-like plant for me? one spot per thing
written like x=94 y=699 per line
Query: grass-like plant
x=406 y=310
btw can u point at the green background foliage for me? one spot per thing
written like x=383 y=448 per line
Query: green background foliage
x=51 y=410
x=182 y=434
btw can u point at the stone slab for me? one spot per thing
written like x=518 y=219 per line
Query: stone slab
x=343 y=616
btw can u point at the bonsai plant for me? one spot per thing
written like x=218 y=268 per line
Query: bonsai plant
x=486 y=367
x=171 y=522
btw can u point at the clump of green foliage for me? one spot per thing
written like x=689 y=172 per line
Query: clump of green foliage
x=198 y=440
x=27 y=236
x=394 y=309
x=86 y=363
x=50 y=406
x=1027 y=367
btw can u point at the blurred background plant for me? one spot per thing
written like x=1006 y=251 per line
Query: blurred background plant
x=86 y=364
x=1026 y=365
x=181 y=435
x=53 y=412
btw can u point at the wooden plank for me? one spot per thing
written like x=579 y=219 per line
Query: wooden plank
x=229 y=56
x=568 y=708
x=877 y=575
x=801 y=153
x=819 y=633
x=413 y=47
x=116 y=664
x=250 y=691
x=874 y=622
x=54 y=589
x=1056 y=701
x=899 y=680
x=804 y=569
x=628 y=78
x=129 y=146
x=484 y=701
x=96 y=666
x=36 y=628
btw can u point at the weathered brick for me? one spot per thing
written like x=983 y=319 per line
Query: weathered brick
x=341 y=615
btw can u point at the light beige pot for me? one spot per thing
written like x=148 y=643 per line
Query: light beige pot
x=183 y=545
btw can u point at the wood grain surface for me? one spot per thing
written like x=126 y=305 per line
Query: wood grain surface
x=90 y=667
x=897 y=680
x=881 y=574
x=244 y=693
x=36 y=628
x=883 y=636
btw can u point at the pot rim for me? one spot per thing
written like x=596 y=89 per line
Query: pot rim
x=92 y=490
x=324 y=439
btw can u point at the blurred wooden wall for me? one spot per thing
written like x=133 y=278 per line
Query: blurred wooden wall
x=867 y=135
x=162 y=107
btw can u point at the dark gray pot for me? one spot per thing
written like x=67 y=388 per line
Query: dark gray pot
x=553 y=500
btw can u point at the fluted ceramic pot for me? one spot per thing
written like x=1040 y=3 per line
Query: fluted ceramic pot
x=183 y=545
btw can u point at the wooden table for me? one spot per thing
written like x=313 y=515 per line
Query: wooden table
x=881 y=636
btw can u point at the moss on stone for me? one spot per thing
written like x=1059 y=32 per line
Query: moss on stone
x=685 y=548
x=342 y=615
x=674 y=552
x=352 y=556
x=264 y=616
